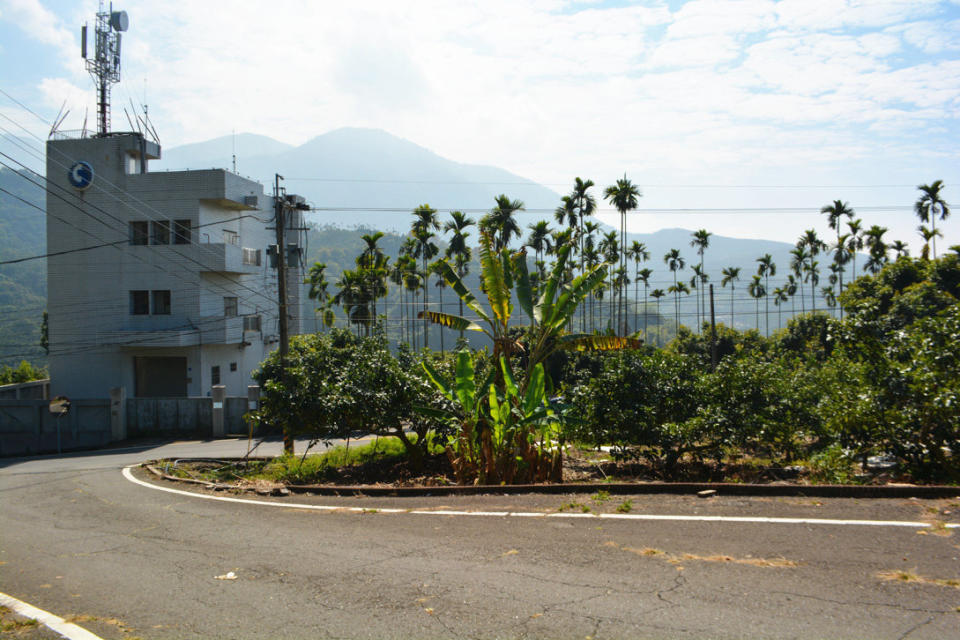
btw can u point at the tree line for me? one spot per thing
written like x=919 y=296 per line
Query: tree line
x=818 y=269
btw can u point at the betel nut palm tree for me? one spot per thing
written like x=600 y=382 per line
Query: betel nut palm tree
x=501 y=223
x=458 y=249
x=624 y=196
x=730 y=276
x=766 y=268
x=675 y=263
x=585 y=205
x=929 y=205
x=422 y=230
x=657 y=294
x=836 y=211
x=701 y=241
x=756 y=292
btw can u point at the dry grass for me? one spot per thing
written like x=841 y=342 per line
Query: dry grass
x=899 y=575
x=677 y=558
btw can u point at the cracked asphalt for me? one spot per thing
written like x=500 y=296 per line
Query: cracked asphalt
x=78 y=539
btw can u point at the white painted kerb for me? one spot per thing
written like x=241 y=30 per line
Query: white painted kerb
x=55 y=623
x=532 y=514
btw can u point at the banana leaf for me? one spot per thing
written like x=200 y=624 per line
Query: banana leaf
x=587 y=342
x=454 y=322
x=456 y=283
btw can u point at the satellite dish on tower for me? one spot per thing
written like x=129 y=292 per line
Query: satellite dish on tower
x=119 y=21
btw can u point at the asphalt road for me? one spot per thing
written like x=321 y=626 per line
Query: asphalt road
x=123 y=560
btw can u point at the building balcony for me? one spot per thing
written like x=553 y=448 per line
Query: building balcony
x=203 y=257
x=208 y=330
x=221 y=330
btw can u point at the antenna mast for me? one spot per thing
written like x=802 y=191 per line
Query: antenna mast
x=104 y=66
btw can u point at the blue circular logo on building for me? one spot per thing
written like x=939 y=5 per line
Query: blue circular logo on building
x=81 y=175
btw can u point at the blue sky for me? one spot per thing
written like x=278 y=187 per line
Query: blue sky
x=706 y=104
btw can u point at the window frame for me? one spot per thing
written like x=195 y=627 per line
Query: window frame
x=139 y=233
x=139 y=302
x=159 y=230
x=182 y=232
x=160 y=303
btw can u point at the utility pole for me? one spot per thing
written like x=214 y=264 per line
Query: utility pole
x=280 y=206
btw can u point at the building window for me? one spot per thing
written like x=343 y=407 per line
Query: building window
x=139 y=232
x=161 y=303
x=251 y=323
x=231 y=237
x=229 y=307
x=160 y=232
x=233 y=366
x=181 y=232
x=214 y=376
x=251 y=256
x=139 y=303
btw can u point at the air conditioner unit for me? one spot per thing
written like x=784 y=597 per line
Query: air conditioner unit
x=251 y=201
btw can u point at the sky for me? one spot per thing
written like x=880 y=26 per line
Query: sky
x=771 y=109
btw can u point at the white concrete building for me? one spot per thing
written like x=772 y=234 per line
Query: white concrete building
x=180 y=295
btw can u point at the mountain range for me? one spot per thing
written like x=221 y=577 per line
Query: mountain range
x=375 y=177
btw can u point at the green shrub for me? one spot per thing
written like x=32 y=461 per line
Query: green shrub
x=639 y=404
x=339 y=383
x=833 y=465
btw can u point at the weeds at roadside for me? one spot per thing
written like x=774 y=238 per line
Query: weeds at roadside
x=900 y=575
x=625 y=507
x=600 y=496
x=18 y=625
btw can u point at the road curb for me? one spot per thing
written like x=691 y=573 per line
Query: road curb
x=613 y=488
x=53 y=622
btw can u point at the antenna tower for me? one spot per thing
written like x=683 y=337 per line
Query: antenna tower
x=104 y=66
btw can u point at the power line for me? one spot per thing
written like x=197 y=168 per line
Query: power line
x=690 y=210
x=531 y=183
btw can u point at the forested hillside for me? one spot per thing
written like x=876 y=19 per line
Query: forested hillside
x=23 y=285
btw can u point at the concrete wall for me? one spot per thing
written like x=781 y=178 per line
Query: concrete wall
x=28 y=428
x=33 y=390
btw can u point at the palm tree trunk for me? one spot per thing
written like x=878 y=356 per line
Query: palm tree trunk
x=766 y=304
x=645 y=310
x=731 y=304
x=659 y=325
x=426 y=297
x=442 y=349
x=933 y=230
x=676 y=304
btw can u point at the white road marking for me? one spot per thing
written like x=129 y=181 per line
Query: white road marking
x=55 y=623
x=532 y=514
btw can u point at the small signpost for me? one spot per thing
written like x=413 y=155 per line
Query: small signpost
x=59 y=407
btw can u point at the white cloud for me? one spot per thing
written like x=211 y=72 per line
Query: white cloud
x=930 y=36
x=40 y=23
x=819 y=15
x=714 y=91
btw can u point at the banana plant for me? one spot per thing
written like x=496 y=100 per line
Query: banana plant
x=501 y=437
x=549 y=312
